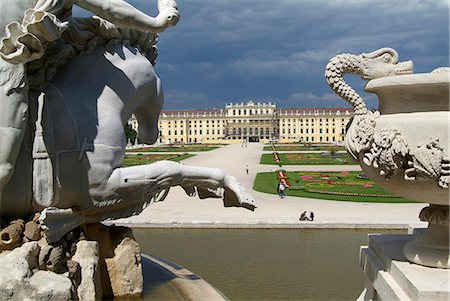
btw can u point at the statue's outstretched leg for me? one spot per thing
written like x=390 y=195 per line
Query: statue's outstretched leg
x=125 y=184
x=165 y=174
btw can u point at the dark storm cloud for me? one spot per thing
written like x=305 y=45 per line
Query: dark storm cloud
x=229 y=51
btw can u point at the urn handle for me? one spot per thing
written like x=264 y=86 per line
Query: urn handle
x=379 y=63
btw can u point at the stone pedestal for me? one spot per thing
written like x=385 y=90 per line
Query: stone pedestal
x=390 y=276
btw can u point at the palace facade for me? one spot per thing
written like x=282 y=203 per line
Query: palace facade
x=253 y=121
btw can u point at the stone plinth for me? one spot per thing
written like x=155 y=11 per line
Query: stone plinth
x=390 y=276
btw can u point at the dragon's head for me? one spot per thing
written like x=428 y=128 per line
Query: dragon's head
x=384 y=62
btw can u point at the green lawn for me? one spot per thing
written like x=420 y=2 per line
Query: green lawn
x=302 y=147
x=132 y=160
x=178 y=148
x=308 y=159
x=338 y=186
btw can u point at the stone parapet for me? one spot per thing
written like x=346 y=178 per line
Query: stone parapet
x=390 y=276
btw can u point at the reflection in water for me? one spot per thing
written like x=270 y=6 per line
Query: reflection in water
x=274 y=264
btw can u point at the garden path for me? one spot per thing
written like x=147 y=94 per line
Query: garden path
x=179 y=210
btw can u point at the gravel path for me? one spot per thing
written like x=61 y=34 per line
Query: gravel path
x=179 y=210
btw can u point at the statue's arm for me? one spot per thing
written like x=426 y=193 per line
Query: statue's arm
x=123 y=14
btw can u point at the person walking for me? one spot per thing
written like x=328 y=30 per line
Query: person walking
x=281 y=190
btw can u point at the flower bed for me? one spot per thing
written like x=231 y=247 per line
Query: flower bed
x=306 y=159
x=342 y=186
x=132 y=160
x=282 y=178
x=349 y=193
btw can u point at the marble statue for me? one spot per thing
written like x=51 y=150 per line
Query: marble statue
x=67 y=87
x=403 y=146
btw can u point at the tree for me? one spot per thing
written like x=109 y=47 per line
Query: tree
x=130 y=134
x=333 y=152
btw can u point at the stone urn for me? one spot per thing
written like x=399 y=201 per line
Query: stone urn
x=404 y=145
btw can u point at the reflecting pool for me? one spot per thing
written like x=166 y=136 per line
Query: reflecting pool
x=272 y=264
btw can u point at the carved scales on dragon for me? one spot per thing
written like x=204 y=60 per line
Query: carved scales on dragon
x=388 y=149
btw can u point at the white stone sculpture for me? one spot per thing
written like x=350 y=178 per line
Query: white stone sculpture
x=82 y=79
x=403 y=145
x=67 y=87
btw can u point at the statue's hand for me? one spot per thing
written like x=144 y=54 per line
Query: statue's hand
x=236 y=195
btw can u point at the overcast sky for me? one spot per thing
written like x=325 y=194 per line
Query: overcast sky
x=275 y=50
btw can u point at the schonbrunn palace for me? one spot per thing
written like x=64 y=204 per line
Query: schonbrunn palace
x=253 y=121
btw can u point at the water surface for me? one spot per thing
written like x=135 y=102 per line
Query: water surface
x=273 y=264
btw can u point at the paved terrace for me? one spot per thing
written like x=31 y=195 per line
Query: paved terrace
x=179 y=210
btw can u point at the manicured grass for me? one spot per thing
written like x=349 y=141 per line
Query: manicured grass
x=302 y=147
x=132 y=160
x=338 y=186
x=177 y=148
x=308 y=159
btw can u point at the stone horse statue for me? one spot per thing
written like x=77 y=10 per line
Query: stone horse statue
x=69 y=164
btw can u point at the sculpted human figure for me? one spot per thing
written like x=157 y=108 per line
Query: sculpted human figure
x=82 y=78
x=22 y=44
